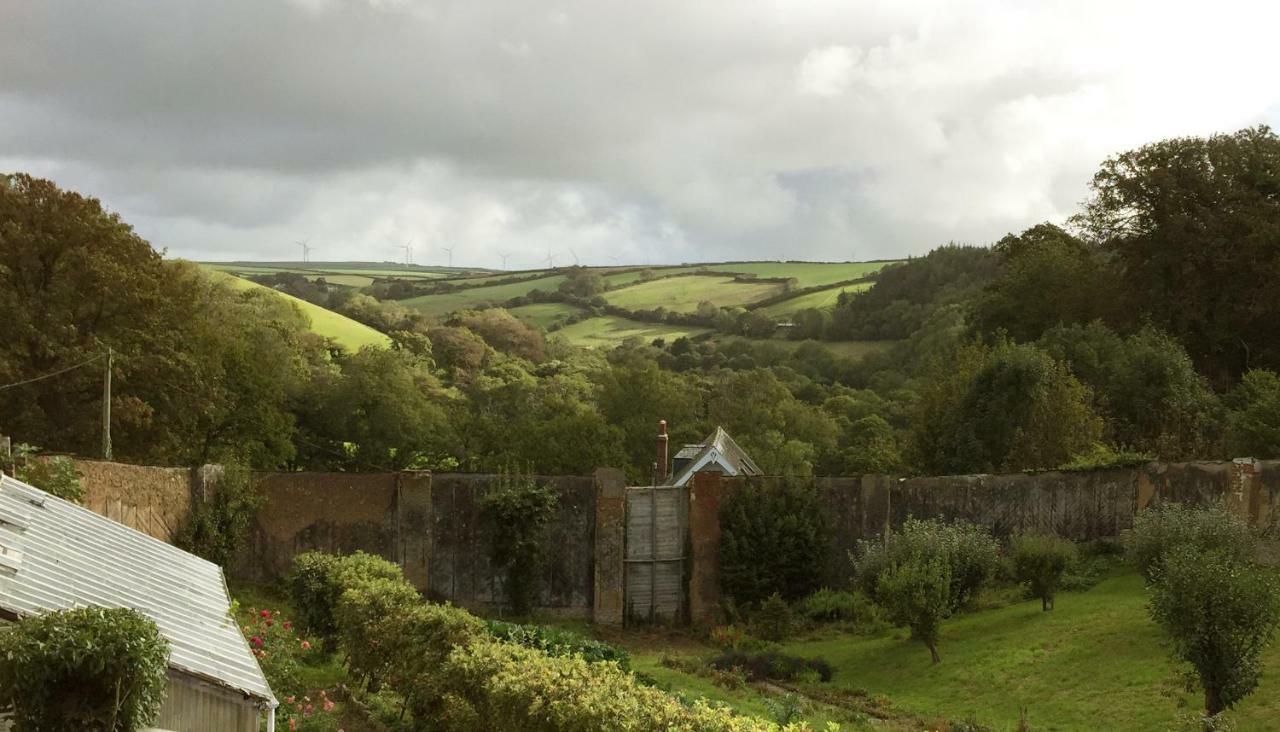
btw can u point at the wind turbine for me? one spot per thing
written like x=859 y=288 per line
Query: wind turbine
x=449 y=251
x=575 y=256
x=306 y=249
x=504 y=256
x=408 y=251
x=550 y=260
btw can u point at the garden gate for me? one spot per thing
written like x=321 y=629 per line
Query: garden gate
x=657 y=526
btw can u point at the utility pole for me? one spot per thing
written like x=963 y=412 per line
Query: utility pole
x=106 y=408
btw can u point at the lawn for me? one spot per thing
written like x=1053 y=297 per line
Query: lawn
x=822 y=299
x=344 y=331
x=682 y=294
x=1095 y=662
x=544 y=314
x=807 y=274
x=476 y=297
x=608 y=331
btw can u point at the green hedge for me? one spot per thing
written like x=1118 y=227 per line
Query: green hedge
x=90 y=668
x=317 y=580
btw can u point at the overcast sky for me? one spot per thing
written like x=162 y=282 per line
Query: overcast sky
x=617 y=131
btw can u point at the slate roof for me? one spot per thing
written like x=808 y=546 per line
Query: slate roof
x=720 y=448
x=57 y=555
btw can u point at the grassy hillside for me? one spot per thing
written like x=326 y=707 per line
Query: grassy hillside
x=544 y=315
x=344 y=331
x=807 y=274
x=1097 y=656
x=822 y=299
x=608 y=331
x=682 y=294
x=476 y=297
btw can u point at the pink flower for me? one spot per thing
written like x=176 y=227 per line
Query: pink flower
x=288 y=625
x=256 y=641
x=265 y=613
x=306 y=645
x=328 y=705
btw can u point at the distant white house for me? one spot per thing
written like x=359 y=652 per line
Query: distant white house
x=718 y=453
x=56 y=555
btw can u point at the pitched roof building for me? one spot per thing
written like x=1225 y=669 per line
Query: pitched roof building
x=56 y=555
x=717 y=453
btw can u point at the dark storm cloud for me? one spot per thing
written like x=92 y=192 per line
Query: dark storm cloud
x=663 y=131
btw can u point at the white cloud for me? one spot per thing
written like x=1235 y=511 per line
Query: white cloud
x=827 y=72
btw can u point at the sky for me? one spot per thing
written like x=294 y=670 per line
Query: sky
x=609 y=132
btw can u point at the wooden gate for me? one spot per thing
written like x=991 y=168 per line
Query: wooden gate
x=656 y=534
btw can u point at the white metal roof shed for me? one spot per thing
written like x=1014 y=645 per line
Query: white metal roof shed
x=56 y=555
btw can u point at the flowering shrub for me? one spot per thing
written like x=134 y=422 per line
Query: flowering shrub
x=280 y=651
x=89 y=668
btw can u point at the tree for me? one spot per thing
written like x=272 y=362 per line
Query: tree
x=377 y=410
x=504 y=332
x=1193 y=225
x=1253 y=422
x=773 y=539
x=1047 y=277
x=1165 y=527
x=926 y=571
x=1040 y=561
x=635 y=394
x=783 y=435
x=1221 y=612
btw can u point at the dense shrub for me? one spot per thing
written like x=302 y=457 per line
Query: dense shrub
x=918 y=595
x=281 y=653
x=317 y=580
x=1163 y=527
x=1221 y=612
x=89 y=668
x=216 y=528
x=827 y=605
x=773 y=621
x=1041 y=562
x=969 y=551
x=56 y=476
x=519 y=511
x=557 y=642
x=772 y=665
x=361 y=616
x=773 y=539
x=490 y=685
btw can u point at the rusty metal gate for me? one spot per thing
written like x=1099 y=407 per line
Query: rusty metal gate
x=656 y=532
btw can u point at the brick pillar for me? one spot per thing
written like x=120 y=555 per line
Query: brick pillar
x=610 y=537
x=706 y=492
x=413 y=526
x=1246 y=497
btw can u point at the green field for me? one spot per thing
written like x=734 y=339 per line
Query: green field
x=544 y=314
x=807 y=274
x=822 y=299
x=477 y=297
x=1095 y=662
x=608 y=331
x=344 y=331
x=682 y=294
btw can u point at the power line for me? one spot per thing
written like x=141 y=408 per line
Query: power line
x=50 y=375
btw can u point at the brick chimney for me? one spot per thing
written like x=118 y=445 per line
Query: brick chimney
x=660 y=468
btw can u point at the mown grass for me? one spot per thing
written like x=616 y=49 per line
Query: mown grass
x=683 y=294
x=1097 y=661
x=608 y=331
x=344 y=331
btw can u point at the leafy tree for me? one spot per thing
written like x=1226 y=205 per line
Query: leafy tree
x=1254 y=417
x=1164 y=527
x=1221 y=613
x=519 y=511
x=217 y=527
x=924 y=572
x=1010 y=407
x=458 y=351
x=784 y=435
x=1047 y=277
x=871 y=446
x=1193 y=225
x=88 y=668
x=582 y=282
x=56 y=475
x=1040 y=561
x=773 y=539
x=634 y=395
x=504 y=332
x=377 y=410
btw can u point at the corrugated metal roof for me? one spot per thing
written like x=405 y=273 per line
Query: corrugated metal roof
x=61 y=556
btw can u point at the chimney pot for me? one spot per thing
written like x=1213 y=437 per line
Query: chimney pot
x=660 y=475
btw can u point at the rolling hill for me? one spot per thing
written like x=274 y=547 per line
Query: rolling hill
x=344 y=331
